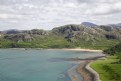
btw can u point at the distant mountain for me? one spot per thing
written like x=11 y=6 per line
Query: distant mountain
x=11 y=31
x=115 y=25
x=119 y=24
x=88 y=24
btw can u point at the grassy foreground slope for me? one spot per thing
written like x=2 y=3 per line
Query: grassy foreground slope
x=110 y=68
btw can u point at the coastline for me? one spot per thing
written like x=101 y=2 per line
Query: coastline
x=73 y=74
x=83 y=69
x=95 y=74
x=87 y=72
x=87 y=76
x=71 y=49
x=81 y=49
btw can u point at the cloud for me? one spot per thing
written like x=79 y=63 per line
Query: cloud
x=46 y=14
x=104 y=9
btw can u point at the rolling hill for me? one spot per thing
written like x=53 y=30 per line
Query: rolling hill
x=67 y=36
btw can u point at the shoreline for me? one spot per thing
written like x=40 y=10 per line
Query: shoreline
x=95 y=74
x=81 y=49
x=87 y=76
x=71 y=49
x=73 y=74
x=85 y=71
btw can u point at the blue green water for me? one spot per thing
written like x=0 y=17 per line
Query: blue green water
x=37 y=65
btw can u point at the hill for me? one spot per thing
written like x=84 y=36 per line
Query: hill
x=67 y=36
x=88 y=24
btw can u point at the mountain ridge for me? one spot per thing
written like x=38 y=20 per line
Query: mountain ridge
x=72 y=35
x=88 y=24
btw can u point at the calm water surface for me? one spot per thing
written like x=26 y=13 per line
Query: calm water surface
x=37 y=65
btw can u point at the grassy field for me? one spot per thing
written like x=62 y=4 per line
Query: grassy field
x=108 y=69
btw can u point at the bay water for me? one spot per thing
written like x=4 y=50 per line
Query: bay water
x=38 y=65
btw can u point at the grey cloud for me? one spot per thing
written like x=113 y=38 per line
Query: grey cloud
x=51 y=13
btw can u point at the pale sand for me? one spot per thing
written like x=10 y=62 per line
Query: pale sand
x=71 y=49
x=80 y=49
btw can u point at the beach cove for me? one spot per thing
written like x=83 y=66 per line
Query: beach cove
x=45 y=65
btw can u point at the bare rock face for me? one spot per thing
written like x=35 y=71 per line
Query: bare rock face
x=37 y=32
x=79 y=31
x=18 y=37
x=66 y=29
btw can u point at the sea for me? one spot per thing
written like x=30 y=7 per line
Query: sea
x=39 y=65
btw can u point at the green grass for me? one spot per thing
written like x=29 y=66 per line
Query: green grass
x=108 y=69
x=55 y=41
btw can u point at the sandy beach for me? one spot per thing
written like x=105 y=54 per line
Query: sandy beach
x=71 y=49
x=80 y=49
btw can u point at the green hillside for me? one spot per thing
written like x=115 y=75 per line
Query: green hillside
x=115 y=50
x=68 y=36
x=109 y=68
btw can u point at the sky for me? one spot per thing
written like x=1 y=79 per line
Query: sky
x=47 y=14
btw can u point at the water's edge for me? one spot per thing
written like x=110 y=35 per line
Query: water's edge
x=73 y=74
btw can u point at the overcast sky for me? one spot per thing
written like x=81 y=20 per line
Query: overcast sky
x=46 y=14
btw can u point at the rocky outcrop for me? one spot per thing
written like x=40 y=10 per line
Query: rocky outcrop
x=37 y=32
x=67 y=29
x=18 y=37
x=89 y=33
